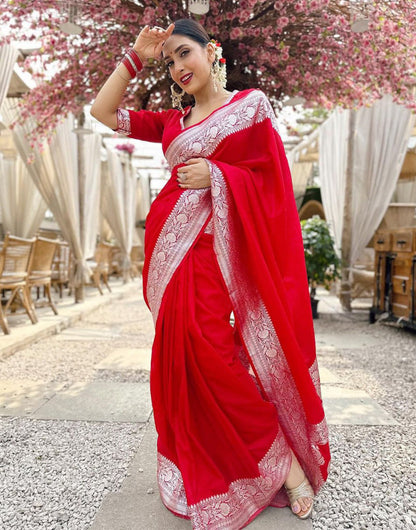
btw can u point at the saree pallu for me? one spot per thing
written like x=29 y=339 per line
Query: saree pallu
x=231 y=401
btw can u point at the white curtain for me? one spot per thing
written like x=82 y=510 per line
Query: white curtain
x=333 y=150
x=405 y=191
x=301 y=168
x=118 y=201
x=301 y=174
x=54 y=171
x=142 y=202
x=8 y=56
x=22 y=206
x=380 y=138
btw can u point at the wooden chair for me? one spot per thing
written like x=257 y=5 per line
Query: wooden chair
x=40 y=273
x=116 y=264
x=61 y=266
x=14 y=268
x=101 y=265
x=137 y=261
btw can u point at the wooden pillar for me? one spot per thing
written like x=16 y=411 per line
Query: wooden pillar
x=345 y=294
x=79 y=290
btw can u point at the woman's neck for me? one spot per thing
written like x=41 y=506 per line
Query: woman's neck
x=208 y=96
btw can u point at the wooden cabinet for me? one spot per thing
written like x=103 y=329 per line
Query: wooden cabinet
x=382 y=241
x=402 y=241
x=395 y=276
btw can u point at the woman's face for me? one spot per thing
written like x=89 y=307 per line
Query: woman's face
x=188 y=62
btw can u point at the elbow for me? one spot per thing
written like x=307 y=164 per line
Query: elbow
x=94 y=112
x=110 y=120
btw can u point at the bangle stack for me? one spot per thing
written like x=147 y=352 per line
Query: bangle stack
x=132 y=62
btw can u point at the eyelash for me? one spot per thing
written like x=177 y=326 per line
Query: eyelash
x=170 y=63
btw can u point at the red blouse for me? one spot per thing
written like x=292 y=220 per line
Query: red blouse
x=160 y=127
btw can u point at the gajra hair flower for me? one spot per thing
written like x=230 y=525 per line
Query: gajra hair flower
x=219 y=66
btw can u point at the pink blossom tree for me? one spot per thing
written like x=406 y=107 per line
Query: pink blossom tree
x=304 y=47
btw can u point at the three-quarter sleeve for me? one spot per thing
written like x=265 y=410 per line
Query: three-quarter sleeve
x=141 y=125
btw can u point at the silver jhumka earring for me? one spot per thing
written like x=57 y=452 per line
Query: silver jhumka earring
x=214 y=75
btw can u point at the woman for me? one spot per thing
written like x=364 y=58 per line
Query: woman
x=237 y=408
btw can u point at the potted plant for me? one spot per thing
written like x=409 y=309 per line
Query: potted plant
x=322 y=263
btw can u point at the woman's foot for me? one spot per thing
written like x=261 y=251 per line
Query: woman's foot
x=299 y=490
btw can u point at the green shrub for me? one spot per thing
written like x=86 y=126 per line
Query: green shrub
x=322 y=262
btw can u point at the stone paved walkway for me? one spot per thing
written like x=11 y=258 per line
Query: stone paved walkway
x=94 y=375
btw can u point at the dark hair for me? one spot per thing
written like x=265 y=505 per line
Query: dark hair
x=191 y=29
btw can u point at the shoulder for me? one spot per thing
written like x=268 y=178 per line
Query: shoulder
x=252 y=94
x=256 y=103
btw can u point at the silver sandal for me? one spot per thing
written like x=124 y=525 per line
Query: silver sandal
x=303 y=490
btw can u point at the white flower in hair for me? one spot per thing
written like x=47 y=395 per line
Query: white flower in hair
x=219 y=69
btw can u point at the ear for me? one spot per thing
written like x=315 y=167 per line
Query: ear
x=211 y=51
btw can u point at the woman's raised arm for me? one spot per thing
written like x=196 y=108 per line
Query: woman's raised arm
x=148 y=45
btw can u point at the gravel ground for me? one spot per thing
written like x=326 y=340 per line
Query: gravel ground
x=55 y=474
x=372 y=481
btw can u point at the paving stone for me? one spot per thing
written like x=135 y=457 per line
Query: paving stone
x=133 y=507
x=88 y=334
x=345 y=406
x=23 y=333
x=346 y=340
x=99 y=401
x=327 y=376
x=21 y=397
x=126 y=359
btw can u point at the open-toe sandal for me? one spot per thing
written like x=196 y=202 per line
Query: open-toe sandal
x=303 y=490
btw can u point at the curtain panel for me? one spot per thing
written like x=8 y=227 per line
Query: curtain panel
x=379 y=141
x=54 y=171
x=8 y=56
x=21 y=205
x=118 y=201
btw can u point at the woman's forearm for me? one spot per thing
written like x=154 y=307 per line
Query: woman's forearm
x=148 y=45
x=109 y=97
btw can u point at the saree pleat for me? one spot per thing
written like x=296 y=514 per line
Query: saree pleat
x=213 y=423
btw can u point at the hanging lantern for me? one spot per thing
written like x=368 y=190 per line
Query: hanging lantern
x=198 y=7
x=70 y=27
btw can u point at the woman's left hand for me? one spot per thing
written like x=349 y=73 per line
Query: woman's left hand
x=194 y=174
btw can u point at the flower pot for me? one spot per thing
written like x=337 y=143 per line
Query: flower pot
x=314 y=304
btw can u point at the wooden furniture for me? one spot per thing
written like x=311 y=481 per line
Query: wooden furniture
x=116 y=265
x=136 y=261
x=395 y=276
x=14 y=269
x=40 y=273
x=61 y=266
x=101 y=265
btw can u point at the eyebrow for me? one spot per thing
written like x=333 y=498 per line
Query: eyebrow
x=177 y=49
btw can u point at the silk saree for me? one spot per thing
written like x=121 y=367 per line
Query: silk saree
x=234 y=377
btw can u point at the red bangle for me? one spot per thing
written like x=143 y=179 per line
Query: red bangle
x=136 y=59
x=129 y=67
x=132 y=62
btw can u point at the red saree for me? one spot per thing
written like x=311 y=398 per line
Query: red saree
x=229 y=401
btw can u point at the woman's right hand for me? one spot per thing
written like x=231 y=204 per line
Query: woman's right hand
x=150 y=41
